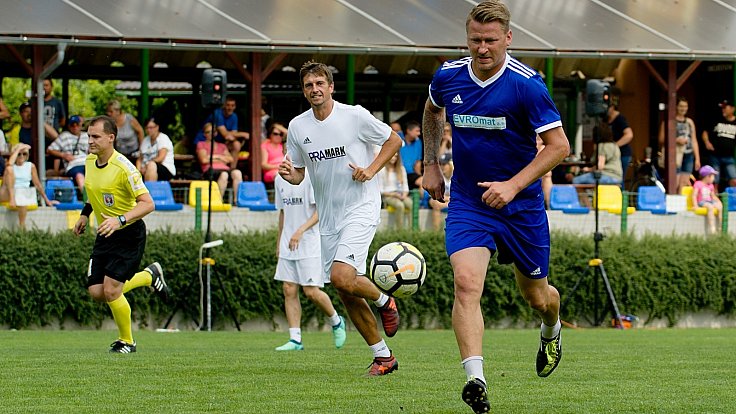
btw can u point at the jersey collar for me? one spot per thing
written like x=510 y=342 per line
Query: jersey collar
x=493 y=78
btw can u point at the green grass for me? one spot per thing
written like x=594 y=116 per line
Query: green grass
x=602 y=371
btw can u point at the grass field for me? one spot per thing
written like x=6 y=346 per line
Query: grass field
x=602 y=371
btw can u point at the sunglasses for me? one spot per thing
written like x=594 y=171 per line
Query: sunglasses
x=277 y=133
x=23 y=154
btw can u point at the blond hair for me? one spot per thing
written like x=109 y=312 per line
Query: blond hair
x=490 y=11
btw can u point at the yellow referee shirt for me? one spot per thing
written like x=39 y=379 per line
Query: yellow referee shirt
x=113 y=188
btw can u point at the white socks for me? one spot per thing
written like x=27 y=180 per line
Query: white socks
x=381 y=350
x=382 y=299
x=295 y=334
x=550 y=332
x=334 y=319
x=474 y=367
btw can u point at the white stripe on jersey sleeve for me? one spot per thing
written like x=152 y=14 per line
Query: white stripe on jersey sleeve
x=548 y=127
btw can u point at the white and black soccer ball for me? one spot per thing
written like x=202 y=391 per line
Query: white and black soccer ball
x=398 y=269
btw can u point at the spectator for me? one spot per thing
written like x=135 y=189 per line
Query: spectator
x=396 y=127
x=704 y=195
x=54 y=113
x=22 y=133
x=437 y=206
x=130 y=132
x=16 y=187
x=687 y=153
x=226 y=129
x=622 y=136
x=395 y=190
x=722 y=144
x=156 y=162
x=411 y=154
x=220 y=162
x=3 y=152
x=608 y=163
x=272 y=152
x=71 y=148
x=4 y=112
x=446 y=142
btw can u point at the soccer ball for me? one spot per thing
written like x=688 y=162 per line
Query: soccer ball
x=398 y=269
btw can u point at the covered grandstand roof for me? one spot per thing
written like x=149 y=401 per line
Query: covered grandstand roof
x=659 y=29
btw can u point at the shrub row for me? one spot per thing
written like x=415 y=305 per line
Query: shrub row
x=42 y=278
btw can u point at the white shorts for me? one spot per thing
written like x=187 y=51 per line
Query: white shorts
x=303 y=272
x=348 y=246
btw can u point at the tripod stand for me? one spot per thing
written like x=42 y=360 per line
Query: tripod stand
x=596 y=264
x=205 y=296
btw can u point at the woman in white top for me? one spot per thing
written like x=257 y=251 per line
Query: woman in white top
x=156 y=162
x=16 y=187
x=395 y=189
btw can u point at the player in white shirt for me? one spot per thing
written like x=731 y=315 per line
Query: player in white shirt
x=335 y=143
x=298 y=250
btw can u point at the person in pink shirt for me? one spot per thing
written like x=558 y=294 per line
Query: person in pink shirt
x=704 y=195
x=272 y=152
x=221 y=160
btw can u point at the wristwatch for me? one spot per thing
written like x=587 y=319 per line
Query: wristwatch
x=122 y=220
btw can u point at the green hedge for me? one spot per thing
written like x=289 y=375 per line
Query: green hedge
x=42 y=278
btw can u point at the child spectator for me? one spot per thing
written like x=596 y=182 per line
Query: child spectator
x=704 y=195
x=395 y=189
x=16 y=188
x=437 y=207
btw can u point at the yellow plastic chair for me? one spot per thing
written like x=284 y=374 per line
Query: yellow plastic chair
x=217 y=204
x=687 y=191
x=611 y=199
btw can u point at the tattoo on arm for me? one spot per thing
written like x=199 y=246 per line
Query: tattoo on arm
x=433 y=125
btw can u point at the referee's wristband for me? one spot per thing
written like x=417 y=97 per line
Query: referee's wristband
x=86 y=210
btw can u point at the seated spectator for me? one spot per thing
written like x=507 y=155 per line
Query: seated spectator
x=704 y=195
x=156 y=162
x=16 y=187
x=396 y=127
x=608 y=163
x=22 y=133
x=412 y=153
x=71 y=148
x=225 y=121
x=395 y=189
x=437 y=207
x=130 y=132
x=221 y=159
x=272 y=152
x=446 y=142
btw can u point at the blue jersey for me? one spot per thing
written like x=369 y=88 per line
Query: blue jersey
x=494 y=124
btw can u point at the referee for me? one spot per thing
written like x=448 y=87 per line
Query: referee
x=120 y=200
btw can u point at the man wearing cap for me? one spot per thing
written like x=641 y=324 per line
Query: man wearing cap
x=721 y=143
x=72 y=147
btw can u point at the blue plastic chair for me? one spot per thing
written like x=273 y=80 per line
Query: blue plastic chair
x=253 y=195
x=64 y=192
x=163 y=196
x=565 y=198
x=731 y=191
x=651 y=198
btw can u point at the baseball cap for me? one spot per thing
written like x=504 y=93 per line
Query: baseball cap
x=725 y=102
x=446 y=158
x=23 y=106
x=707 y=170
x=75 y=119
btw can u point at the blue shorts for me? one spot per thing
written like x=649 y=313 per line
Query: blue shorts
x=688 y=164
x=519 y=233
x=79 y=169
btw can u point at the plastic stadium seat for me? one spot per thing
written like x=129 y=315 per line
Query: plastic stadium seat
x=217 y=204
x=565 y=198
x=253 y=195
x=163 y=197
x=688 y=193
x=731 y=191
x=651 y=198
x=611 y=199
x=65 y=193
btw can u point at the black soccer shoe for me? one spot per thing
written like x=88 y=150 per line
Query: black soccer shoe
x=475 y=395
x=122 y=347
x=549 y=355
x=157 y=282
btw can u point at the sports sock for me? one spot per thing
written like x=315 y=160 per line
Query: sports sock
x=295 y=334
x=121 y=314
x=141 y=278
x=549 y=332
x=474 y=367
x=335 y=319
x=381 y=350
x=382 y=299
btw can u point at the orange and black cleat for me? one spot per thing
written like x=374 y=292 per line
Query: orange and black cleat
x=383 y=366
x=389 y=317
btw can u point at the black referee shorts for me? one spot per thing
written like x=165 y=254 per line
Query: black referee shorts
x=118 y=256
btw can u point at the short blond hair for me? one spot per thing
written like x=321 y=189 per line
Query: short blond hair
x=490 y=11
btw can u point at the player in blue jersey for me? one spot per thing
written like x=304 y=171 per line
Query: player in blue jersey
x=496 y=107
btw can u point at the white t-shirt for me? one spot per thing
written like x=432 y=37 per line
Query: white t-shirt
x=149 y=152
x=298 y=204
x=326 y=148
x=78 y=146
